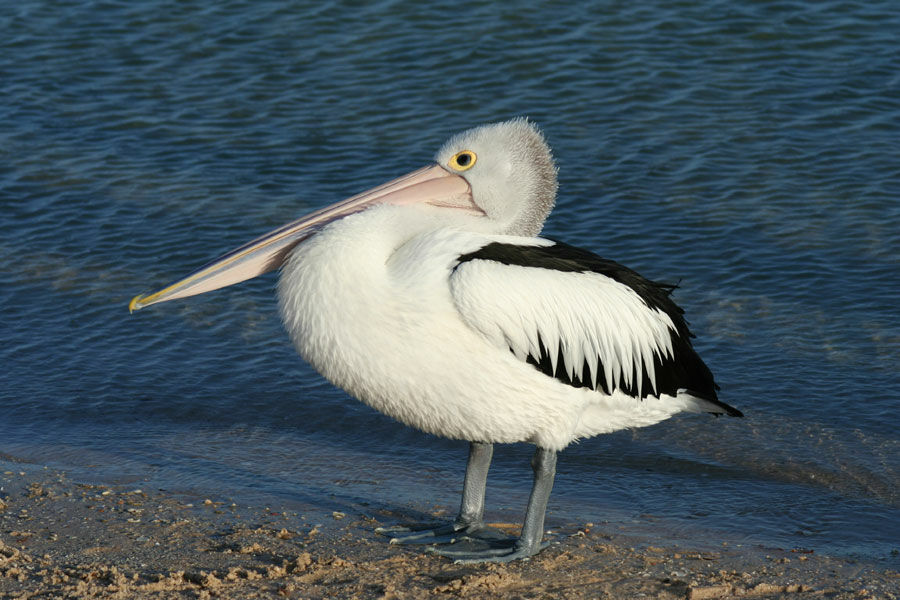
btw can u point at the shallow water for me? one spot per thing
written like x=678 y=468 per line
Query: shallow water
x=748 y=152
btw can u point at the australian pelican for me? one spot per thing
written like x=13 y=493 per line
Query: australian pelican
x=431 y=299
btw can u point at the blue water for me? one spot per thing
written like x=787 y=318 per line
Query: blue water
x=749 y=151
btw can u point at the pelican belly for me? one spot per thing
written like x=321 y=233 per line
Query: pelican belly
x=371 y=310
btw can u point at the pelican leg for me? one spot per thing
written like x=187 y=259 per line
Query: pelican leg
x=471 y=507
x=529 y=543
x=471 y=510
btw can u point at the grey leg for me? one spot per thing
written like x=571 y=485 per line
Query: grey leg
x=529 y=543
x=471 y=509
x=544 y=465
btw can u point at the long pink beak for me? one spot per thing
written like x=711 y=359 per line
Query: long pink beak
x=430 y=185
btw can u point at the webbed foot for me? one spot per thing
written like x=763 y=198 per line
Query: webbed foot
x=440 y=534
x=476 y=551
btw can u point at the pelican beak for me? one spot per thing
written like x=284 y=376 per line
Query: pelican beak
x=430 y=185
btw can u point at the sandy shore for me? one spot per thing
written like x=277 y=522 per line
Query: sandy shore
x=64 y=539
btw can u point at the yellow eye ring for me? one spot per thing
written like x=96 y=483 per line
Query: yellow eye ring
x=463 y=161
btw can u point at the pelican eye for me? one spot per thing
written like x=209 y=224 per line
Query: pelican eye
x=463 y=161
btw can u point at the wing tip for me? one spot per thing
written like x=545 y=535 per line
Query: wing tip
x=713 y=405
x=728 y=410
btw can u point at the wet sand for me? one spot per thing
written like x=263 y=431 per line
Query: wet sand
x=64 y=539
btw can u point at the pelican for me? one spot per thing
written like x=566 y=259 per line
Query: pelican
x=432 y=299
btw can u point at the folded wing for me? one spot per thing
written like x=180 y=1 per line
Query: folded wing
x=585 y=320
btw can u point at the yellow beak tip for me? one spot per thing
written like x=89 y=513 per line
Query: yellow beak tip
x=135 y=303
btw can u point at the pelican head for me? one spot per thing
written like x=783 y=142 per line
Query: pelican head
x=500 y=176
x=510 y=170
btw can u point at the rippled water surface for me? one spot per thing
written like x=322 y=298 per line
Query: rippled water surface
x=750 y=151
